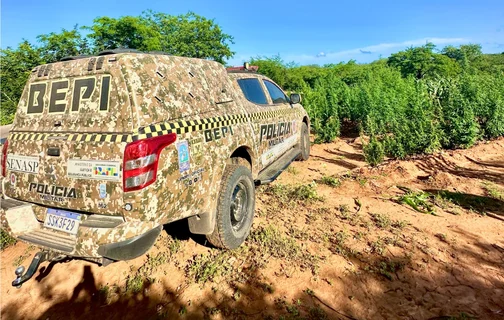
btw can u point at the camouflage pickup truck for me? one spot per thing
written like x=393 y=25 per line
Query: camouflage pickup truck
x=105 y=150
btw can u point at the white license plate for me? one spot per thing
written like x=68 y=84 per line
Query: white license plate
x=62 y=220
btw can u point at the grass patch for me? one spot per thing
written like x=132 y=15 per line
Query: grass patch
x=135 y=283
x=345 y=214
x=386 y=267
x=6 y=240
x=207 y=267
x=303 y=192
x=104 y=294
x=292 y=170
x=378 y=246
x=493 y=191
x=270 y=242
x=399 y=224
x=382 y=221
x=330 y=181
x=337 y=243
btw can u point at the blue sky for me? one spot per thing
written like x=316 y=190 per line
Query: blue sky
x=306 y=32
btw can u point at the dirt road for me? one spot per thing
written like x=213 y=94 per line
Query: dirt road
x=352 y=245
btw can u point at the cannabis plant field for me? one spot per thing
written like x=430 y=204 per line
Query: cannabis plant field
x=416 y=101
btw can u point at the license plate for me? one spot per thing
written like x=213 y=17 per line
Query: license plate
x=62 y=220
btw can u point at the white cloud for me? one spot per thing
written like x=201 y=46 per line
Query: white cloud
x=373 y=51
x=362 y=54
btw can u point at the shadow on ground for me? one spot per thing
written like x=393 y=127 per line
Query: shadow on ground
x=495 y=173
x=338 y=162
x=481 y=204
x=382 y=288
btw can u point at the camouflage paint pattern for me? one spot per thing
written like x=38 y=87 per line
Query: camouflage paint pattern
x=149 y=95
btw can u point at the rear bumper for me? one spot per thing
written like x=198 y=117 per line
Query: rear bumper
x=97 y=238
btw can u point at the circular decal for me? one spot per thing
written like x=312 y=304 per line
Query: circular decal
x=13 y=179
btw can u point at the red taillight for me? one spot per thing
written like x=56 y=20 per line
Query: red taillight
x=141 y=161
x=4 y=158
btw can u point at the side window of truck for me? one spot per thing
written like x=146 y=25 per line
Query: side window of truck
x=253 y=90
x=276 y=94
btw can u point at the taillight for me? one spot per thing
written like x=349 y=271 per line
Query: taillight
x=4 y=158
x=141 y=161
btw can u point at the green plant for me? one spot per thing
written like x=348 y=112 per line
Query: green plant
x=493 y=191
x=330 y=181
x=419 y=200
x=374 y=153
x=399 y=224
x=270 y=242
x=292 y=170
x=377 y=246
x=381 y=220
x=303 y=192
x=6 y=240
x=135 y=283
x=206 y=267
x=388 y=267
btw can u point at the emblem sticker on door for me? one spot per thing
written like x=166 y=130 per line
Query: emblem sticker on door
x=183 y=156
x=93 y=169
x=103 y=190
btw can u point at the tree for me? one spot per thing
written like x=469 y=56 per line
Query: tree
x=465 y=55
x=15 y=67
x=422 y=62
x=55 y=46
x=125 y=32
x=188 y=35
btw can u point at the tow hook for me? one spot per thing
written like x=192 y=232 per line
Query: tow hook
x=22 y=278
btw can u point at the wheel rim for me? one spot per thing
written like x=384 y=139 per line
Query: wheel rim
x=238 y=208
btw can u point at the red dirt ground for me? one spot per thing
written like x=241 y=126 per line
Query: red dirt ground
x=358 y=253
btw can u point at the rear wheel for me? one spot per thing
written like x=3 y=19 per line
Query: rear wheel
x=304 y=143
x=235 y=208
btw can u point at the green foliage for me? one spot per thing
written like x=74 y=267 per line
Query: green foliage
x=207 y=267
x=373 y=152
x=276 y=243
x=188 y=35
x=422 y=62
x=419 y=201
x=303 y=192
x=416 y=101
x=15 y=67
x=55 y=46
x=330 y=181
x=6 y=240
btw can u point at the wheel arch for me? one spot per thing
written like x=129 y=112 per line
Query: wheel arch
x=307 y=121
x=246 y=153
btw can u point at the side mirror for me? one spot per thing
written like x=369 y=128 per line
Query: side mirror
x=295 y=98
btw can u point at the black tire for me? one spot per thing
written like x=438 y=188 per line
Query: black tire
x=304 y=144
x=232 y=226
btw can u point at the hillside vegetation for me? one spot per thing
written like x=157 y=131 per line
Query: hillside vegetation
x=416 y=101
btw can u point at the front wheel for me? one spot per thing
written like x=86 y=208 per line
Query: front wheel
x=235 y=208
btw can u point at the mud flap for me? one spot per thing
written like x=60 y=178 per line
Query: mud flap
x=202 y=223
